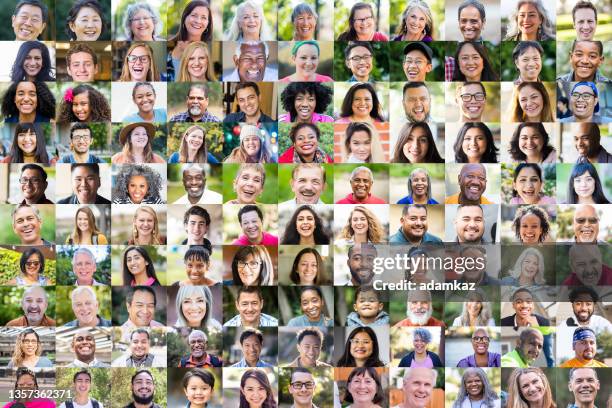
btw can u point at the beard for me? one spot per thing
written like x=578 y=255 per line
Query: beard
x=142 y=400
x=419 y=320
x=195 y=110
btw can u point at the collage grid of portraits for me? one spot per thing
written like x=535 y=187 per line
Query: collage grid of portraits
x=198 y=201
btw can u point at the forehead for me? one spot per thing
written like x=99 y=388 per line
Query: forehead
x=300 y=376
x=363 y=12
x=24 y=212
x=472 y=171
x=416 y=211
x=26 y=86
x=139 y=51
x=362 y=174
x=253 y=48
x=358 y=50
x=585 y=12
x=415 y=54
x=469 y=11
x=82 y=333
x=29 y=8
x=196 y=336
x=359 y=250
x=142 y=296
x=196 y=92
x=82 y=255
x=523 y=295
x=35 y=293
x=81 y=56
x=586 y=46
x=584 y=373
x=472 y=88
x=244 y=92
x=83 y=295
x=418 y=91
x=585 y=210
x=527 y=7
x=250 y=215
x=193 y=172
x=246 y=296
x=309 y=172
x=528 y=90
x=143 y=376
x=529 y=50
x=30 y=171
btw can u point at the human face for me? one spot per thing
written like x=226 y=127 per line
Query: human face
x=196 y=23
x=249 y=306
x=584 y=185
x=302 y=388
x=418 y=387
x=307 y=269
x=142 y=25
x=193 y=307
x=85 y=308
x=29 y=345
x=359 y=223
x=82 y=384
x=196 y=270
x=361 y=263
x=529 y=64
x=419 y=311
x=305 y=224
x=530 y=229
x=254 y=392
x=523 y=304
x=197 y=102
x=27 y=225
x=529 y=21
x=474 y=309
x=34 y=188
x=248 y=185
x=84 y=345
x=470 y=23
x=585 y=60
x=142 y=308
x=33 y=63
x=139 y=345
x=530 y=267
x=585 y=24
x=136 y=263
x=473 y=385
x=195 y=139
x=197 y=391
x=309 y=349
x=414 y=223
x=417 y=104
x=474 y=144
x=248 y=101
x=85 y=184
x=360 y=145
x=361 y=184
x=306 y=142
x=251 y=145
x=32 y=266
x=583 y=141
x=367 y=305
x=585 y=349
x=587 y=265
x=416 y=21
x=251 y=349
x=305 y=105
x=81 y=107
x=252 y=226
x=419 y=344
x=480 y=342
x=528 y=185
x=472 y=108
x=139 y=63
x=582 y=108
x=249 y=270
x=139 y=138
x=472 y=182
x=26 y=141
x=420 y=184
x=469 y=224
x=306 y=61
x=416 y=66
x=196 y=228
x=194 y=182
x=197 y=64
x=81 y=67
x=81 y=140
x=531 y=143
x=305 y=25
x=144 y=98
x=250 y=23
x=362 y=347
x=586 y=224
x=84 y=268
x=363 y=23
x=26 y=99
x=532 y=103
x=144 y=223
x=531 y=388
x=143 y=387
x=87 y=25
x=471 y=63
x=312 y=305
x=359 y=61
x=362 y=388
x=362 y=104
x=584 y=384
x=138 y=188
x=251 y=65
x=28 y=23
x=307 y=185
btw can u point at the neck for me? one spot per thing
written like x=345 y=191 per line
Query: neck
x=537 y=404
x=420 y=354
x=80 y=157
x=298 y=405
x=463 y=200
x=525 y=281
x=256 y=241
x=91 y=324
x=529 y=37
x=588 y=200
x=250 y=37
x=363 y=405
x=27 y=117
x=251 y=363
x=307 y=159
x=419 y=199
x=368 y=320
x=144 y=240
x=81 y=398
x=201 y=358
x=364 y=78
x=533 y=159
x=148 y=116
x=89 y=360
x=191 y=38
x=305 y=77
x=138 y=405
x=367 y=37
x=584 y=118
x=475 y=397
x=360 y=238
x=37 y=241
x=307 y=241
x=360 y=362
x=466 y=119
x=141 y=279
x=246 y=324
x=32 y=279
x=194 y=199
x=472 y=320
x=88 y=283
x=253 y=120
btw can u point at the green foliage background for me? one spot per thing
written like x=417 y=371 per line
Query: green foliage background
x=175 y=180
x=10 y=299
x=47 y=231
x=213 y=136
x=380 y=62
x=159 y=143
x=100 y=383
x=62 y=7
x=284 y=187
x=9 y=266
x=270 y=191
x=509 y=72
x=63 y=310
x=6 y=30
x=120 y=8
x=507 y=173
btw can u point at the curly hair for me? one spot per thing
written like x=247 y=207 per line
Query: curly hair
x=18 y=354
x=201 y=155
x=347 y=359
x=154 y=182
x=152 y=75
x=346 y=109
x=351 y=33
x=74 y=11
x=128 y=278
x=46 y=71
x=432 y=155
x=291 y=235
x=320 y=279
x=490 y=154
x=375 y=229
x=516 y=111
x=182 y=34
x=546 y=31
x=45 y=101
x=261 y=377
x=598 y=194
x=155 y=235
x=538 y=212
x=488 y=393
x=322 y=94
x=183 y=74
x=40 y=154
x=488 y=73
x=260 y=253
x=234 y=32
x=99 y=109
x=402 y=29
x=515 y=150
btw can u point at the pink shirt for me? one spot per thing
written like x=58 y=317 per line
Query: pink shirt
x=349 y=199
x=268 y=239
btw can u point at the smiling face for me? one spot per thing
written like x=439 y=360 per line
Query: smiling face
x=144 y=224
x=522 y=304
x=585 y=349
x=251 y=349
x=82 y=384
x=306 y=60
x=84 y=345
x=87 y=25
x=26 y=141
x=33 y=63
x=528 y=21
x=528 y=185
x=138 y=188
x=472 y=182
x=143 y=388
x=81 y=140
x=252 y=226
x=250 y=23
x=586 y=224
x=469 y=224
x=363 y=66
x=312 y=305
x=530 y=229
x=80 y=107
x=585 y=60
x=28 y=23
x=362 y=104
x=309 y=349
x=305 y=105
x=248 y=185
x=194 y=182
x=197 y=391
x=139 y=345
x=471 y=63
x=142 y=309
x=361 y=263
x=197 y=64
x=472 y=101
x=302 y=388
x=32 y=266
x=249 y=270
x=144 y=98
x=419 y=344
x=359 y=223
x=582 y=103
x=251 y=65
x=35 y=186
x=196 y=270
x=81 y=67
x=193 y=308
x=197 y=22
x=139 y=138
x=85 y=184
x=531 y=143
x=531 y=387
x=470 y=23
x=367 y=305
x=26 y=99
x=587 y=265
x=249 y=306
x=361 y=347
x=584 y=385
x=29 y=345
x=364 y=24
x=416 y=21
x=84 y=268
x=361 y=184
x=254 y=392
x=305 y=26
x=531 y=102
x=360 y=145
x=248 y=101
x=584 y=186
x=474 y=144
x=139 y=63
x=27 y=226
x=416 y=66
x=305 y=224
x=473 y=385
x=414 y=223
x=306 y=143
x=142 y=25
x=417 y=145
x=307 y=184
x=529 y=64
x=530 y=267
x=362 y=388
x=585 y=24
x=418 y=387
x=583 y=308
x=136 y=263
x=417 y=103
x=420 y=185
x=85 y=308
x=307 y=268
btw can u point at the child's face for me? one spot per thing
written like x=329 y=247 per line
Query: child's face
x=367 y=304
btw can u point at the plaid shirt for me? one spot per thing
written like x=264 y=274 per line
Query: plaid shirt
x=449 y=67
x=186 y=117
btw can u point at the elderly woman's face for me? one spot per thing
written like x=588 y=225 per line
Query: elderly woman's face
x=194 y=308
x=87 y=25
x=305 y=25
x=250 y=23
x=416 y=21
x=196 y=22
x=362 y=388
x=530 y=266
x=142 y=25
x=473 y=385
x=248 y=185
x=420 y=345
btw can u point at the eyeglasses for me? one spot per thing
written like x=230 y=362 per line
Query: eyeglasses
x=363 y=20
x=298 y=385
x=477 y=96
x=358 y=58
x=82 y=137
x=33 y=263
x=32 y=180
x=418 y=62
x=357 y=342
x=142 y=58
x=584 y=96
x=481 y=339
x=252 y=265
x=590 y=220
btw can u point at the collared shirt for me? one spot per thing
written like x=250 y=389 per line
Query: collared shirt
x=23 y=322
x=95 y=363
x=186 y=117
x=41 y=200
x=206 y=363
x=95 y=283
x=353 y=79
x=102 y=322
x=208 y=197
x=132 y=405
x=243 y=364
x=602 y=157
x=298 y=363
x=241 y=117
x=73 y=199
x=264 y=321
x=569 y=77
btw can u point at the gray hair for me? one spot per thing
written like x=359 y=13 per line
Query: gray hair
x=488 y=392
x=196 y=332
x=408 y=372
x=32 y=288
x=185 y=291
x=473 y=3
x=546 y=27
x=483 y=317
x=20 y=206
x=362 y=168
x=301 y=9
x=81 y=289
x=234 y=33
x=84 y=251
x=238 y=50
x=424 y=334
x=131 y=10
x=517 y=269
x=412 y=173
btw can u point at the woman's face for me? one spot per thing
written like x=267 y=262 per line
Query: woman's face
x=531 y=142
x=361 y=346
x=305 y=25
x=196 y=270
x=248 y=185
x=420 y=345
x=26 y=141
x=197 y=64
x=32 y=266
x=416 y=147
x=138 y=187
x=26 y=99
x=359 y=223
x=584 y=185
x=81 y=107
x=306 y=143
x=251 y=145
x=473 y=385
x=142 y=26
x=361 y=145
x=528 y=20
x=82 y=221
x=530 y=229
x=362 y=388
x=194 y=309
x=311 y=305
x=474 y=308
x=139 y=137
x=144 y=98
x=136 y=263
x=139 y=63
x=531 y=102
x=530 y=266
x=474 y=144
x=419 y=183
x=528 y=185
x=471 y=63
x=29 y=345
x=306 y=60
x=249 y=274
x=144 y=223
x=195 y=139
x=362 y=104
x=254 y=392
x=363 y=22
x=307 y=269
x=305 y=224
x=33 y=63
x=26 y=382
x=250 y=23
x=416 y=21
x=197 y=391
x=529 y=64
x=305 y=105
x=87 y=25
x=531 y=387
x=196 y=22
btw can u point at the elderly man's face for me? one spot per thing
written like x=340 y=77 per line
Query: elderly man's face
x=34 y=304
x=194 y=182
x=84 y=345
x=197 y=102
x=472 y=181
x=585 y=60
x=33 y=185
x=251 y=65
x=197 y=344
x=584 y=384
x=361 y=184
x=27 y=225
x=586 y=265
x=418 y=387
x=85 y=308
x=532 y=346
x=586 y=224
x=28 y=23
x=84 y=268
x=308 y=185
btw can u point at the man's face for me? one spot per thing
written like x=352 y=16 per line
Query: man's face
x=85 y=308
x=471 y=100
x=359 y=61
x=251 y=225
x=585 y=60
x=585 y=24
x=470 y=23
x=84 y=268
x=361 y=263
x=523 y=304
x=418 y=388
x=248 y=101
x=143 y=388
x=476 y=272
x=194 y=182
x=81 y=140
x=416 y=66
x=417 y=103
x=584 y=384
x=586 y=265
x=472 y=182
x=139 y=345
x=583 y=307
x=251 y=349
x=27 y=225
x=583 y=142
x=302 y=388
x=309 y=349
x=532 y=346
x=28 y=23
x=197 y=102
x=197 y=344
x=361 y=184
x=308 y=185
x=418 y=311
x=251 y=65
x=414 y=223
x=33 y=185
x=469 y=223
x=82 y=67
x=249 y=305
x=82 y=384
x=586 y=224
x=34 y=304
x=585 y=349
x=583 y=102
x=142 y=309
x=84 y=345
x=85 y=184
x=196 y=228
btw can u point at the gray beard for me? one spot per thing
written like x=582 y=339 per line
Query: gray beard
x=419 y=320
x=195 y=111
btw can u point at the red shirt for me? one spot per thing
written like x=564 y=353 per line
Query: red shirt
x=431 y=322
x=350 y=199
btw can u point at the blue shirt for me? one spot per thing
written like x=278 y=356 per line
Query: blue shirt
x=243 y=364
x=264 y=321
x=174 y=158
x=400 y=238
x=69 y=158
x=159 y=115
x=186 y=117
x=409 y=200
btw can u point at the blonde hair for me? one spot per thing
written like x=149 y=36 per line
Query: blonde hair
x=234 y=33
x=421 y=5
x=152 y=74
x=517 y=269
x=183 y=74
x=75 y=235
x=18 y=354
x=202 y=153
x=375 y=229
x=515 y=397
x=155 y=238
x=516 y=112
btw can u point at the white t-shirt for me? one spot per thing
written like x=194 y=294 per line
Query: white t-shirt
x=88 y=405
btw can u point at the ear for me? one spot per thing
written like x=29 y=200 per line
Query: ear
x=428 y=67
x=235 y=60
x=96 y=69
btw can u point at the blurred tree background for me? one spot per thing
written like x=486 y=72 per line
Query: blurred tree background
x=565 y=25
x=290 y=302
x=175 y=179
x=284 y=179
x=6 y=13
x=270 y=191
x=396 y=63
x=549 y=172
x=120 y=8
x=326 y=140
x=213 y=133
x=509 y=72
x=47 y=230
x=268 y=293
x=178 y=344
x=323 y=392
x=100 y=383
x=9 y=265
x=121 y=384
x=269 y=9
x=454 y=381
x=63 y=310
x=10 y=298
x=563 y=62
x=397 y=7
x=159 y=143
x=380 y=62
x=62 y=7
x=65 y=274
